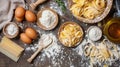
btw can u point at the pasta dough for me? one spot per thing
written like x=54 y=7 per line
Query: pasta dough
x=102 y=53
x=89 y=9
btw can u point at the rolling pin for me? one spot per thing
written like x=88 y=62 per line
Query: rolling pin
x=34 y=5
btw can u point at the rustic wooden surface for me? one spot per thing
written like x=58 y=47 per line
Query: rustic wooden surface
x=77 y=59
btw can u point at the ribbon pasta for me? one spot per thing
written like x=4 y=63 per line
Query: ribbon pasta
x=89 y=9
x=102 y=53
x=70 y=35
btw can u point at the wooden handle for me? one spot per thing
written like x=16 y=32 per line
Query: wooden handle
x=34 y=5
x=34 y=55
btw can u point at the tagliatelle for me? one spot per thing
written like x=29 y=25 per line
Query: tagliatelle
x=80 y=2
x=89 y=9
x=76 y=9
x=70 y=35
x=99 y=4
x=102 y=53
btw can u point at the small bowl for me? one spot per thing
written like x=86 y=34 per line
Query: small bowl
x=91 y=27
x=8 y=35
x=106 y=29
x=42 y=26
x=97 y=19
x=62 y=27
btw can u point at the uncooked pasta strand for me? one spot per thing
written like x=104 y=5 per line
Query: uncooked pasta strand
x=89 y=9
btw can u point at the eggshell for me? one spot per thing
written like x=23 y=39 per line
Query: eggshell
x=31 y=33
x=20 y=12
x=30 y=16
x=25 y=38
x=19 y=19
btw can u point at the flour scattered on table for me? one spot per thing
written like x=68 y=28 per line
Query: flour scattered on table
x=55 y=54
x=79 y=49
x=53 y=50
x=54 y=6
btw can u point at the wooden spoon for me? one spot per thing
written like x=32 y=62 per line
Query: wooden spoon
x=34 y=5
x=43 y=45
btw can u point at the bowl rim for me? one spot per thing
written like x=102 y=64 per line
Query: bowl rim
x=97 y=19
x=110 y=22
x=61 y=28
x=91 y=27
x=42 y=26
x=6 y=34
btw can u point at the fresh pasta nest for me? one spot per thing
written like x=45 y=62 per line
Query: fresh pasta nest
x=70 y=34
x=90 y=11
x=105 y=52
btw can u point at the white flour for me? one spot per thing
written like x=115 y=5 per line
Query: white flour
x=11 y=29
x=52 y=51
x=47 y=18
x=54 y=6
x=56 y=53
x=79 y=49
x=94 y=33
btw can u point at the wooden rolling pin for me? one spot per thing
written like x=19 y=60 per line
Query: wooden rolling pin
x=34 y=5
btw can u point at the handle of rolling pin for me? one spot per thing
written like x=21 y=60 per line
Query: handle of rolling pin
x=34 y=55
x=34 y=5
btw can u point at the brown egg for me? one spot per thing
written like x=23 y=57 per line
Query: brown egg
x=19 y=19
x=25 y=38
x=31 y=33
x=20 y=12
x=30 y=16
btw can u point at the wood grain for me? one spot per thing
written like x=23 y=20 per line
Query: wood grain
x=71 y=57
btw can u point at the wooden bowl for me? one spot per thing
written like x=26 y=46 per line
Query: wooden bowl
x=8 y=35
x=97 y=19
x=62 y=27
x=42 y=26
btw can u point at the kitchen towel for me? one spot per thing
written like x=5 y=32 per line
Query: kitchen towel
x=7 y=10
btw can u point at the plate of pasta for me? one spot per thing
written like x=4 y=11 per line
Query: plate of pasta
x=70 y=34
x=90 y=11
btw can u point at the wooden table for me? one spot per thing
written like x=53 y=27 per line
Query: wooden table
x=71 y=57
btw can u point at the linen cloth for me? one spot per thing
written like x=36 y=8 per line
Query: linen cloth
x=7 y=10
